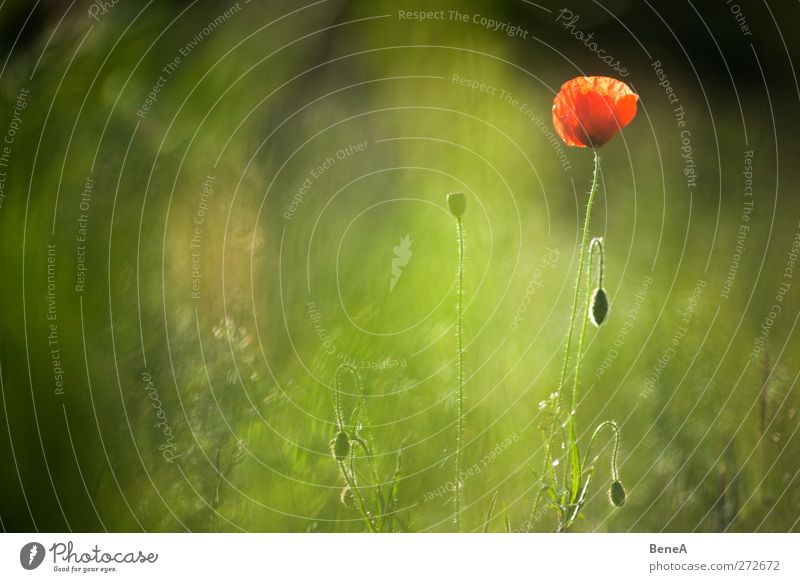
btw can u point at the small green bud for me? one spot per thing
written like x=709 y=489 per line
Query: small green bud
x=599 y=307
x=341 y=446
x=457 y=203
x=617 y=494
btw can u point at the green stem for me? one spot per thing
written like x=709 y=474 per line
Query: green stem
x=368 y=452
x=459 y=333
x=337 y=404
x=599 y=243
x=359 y=500
x=575 y=298
x=548 y=466
x=582 y=339
x=615 y=452
x=376 y=483
x=541 y=484
x=341 y=426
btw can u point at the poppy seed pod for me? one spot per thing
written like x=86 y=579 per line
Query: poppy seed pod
x=457 y=203
x=341 y=446
x=617 y=494
x=599 y=307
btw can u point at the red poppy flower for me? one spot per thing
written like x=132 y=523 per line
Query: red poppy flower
x=589 y=111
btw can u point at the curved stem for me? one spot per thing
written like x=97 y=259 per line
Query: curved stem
x=598 y=242
x=340 y=422
x=615 y=452
x=359 y=500
x=459 y=333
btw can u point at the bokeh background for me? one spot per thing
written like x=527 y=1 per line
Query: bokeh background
x=201 y=204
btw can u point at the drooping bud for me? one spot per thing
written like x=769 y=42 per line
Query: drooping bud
x=457 y=203
x=599 y=307
x=341 y=446
x=617 y=494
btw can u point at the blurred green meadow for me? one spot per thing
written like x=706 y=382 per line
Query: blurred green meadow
x=207 y=208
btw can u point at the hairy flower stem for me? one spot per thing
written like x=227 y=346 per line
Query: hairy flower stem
x=547 y=466
x=595 y=242
x=357 y=495
x=615 y=452
x=460 y=339
x=576 y=297
x=538 y=497
x=337 y=397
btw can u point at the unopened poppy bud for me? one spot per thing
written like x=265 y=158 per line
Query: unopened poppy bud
x=617 y=494
x=599 y=306
x=457 y=203
x=341 y=446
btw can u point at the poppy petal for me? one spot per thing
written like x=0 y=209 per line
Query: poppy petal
x=589 y=111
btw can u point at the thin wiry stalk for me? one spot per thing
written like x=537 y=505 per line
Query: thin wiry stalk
x=547 y=465
x=337 y=404
x=490 y=514
x=215 y=500
x=614 y=454
x=576 y=297
x=359 y=500
x=377 y=492
x=393 y=491
x=582 y=339
x=459 y=333
x=350 y=479
x=541 y=484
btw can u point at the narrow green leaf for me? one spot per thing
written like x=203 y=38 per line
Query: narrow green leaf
x=506 y=519
x=576 y=464
x=395 y=488
x=491 y=511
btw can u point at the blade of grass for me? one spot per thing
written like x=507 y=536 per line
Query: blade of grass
x=491 y=511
